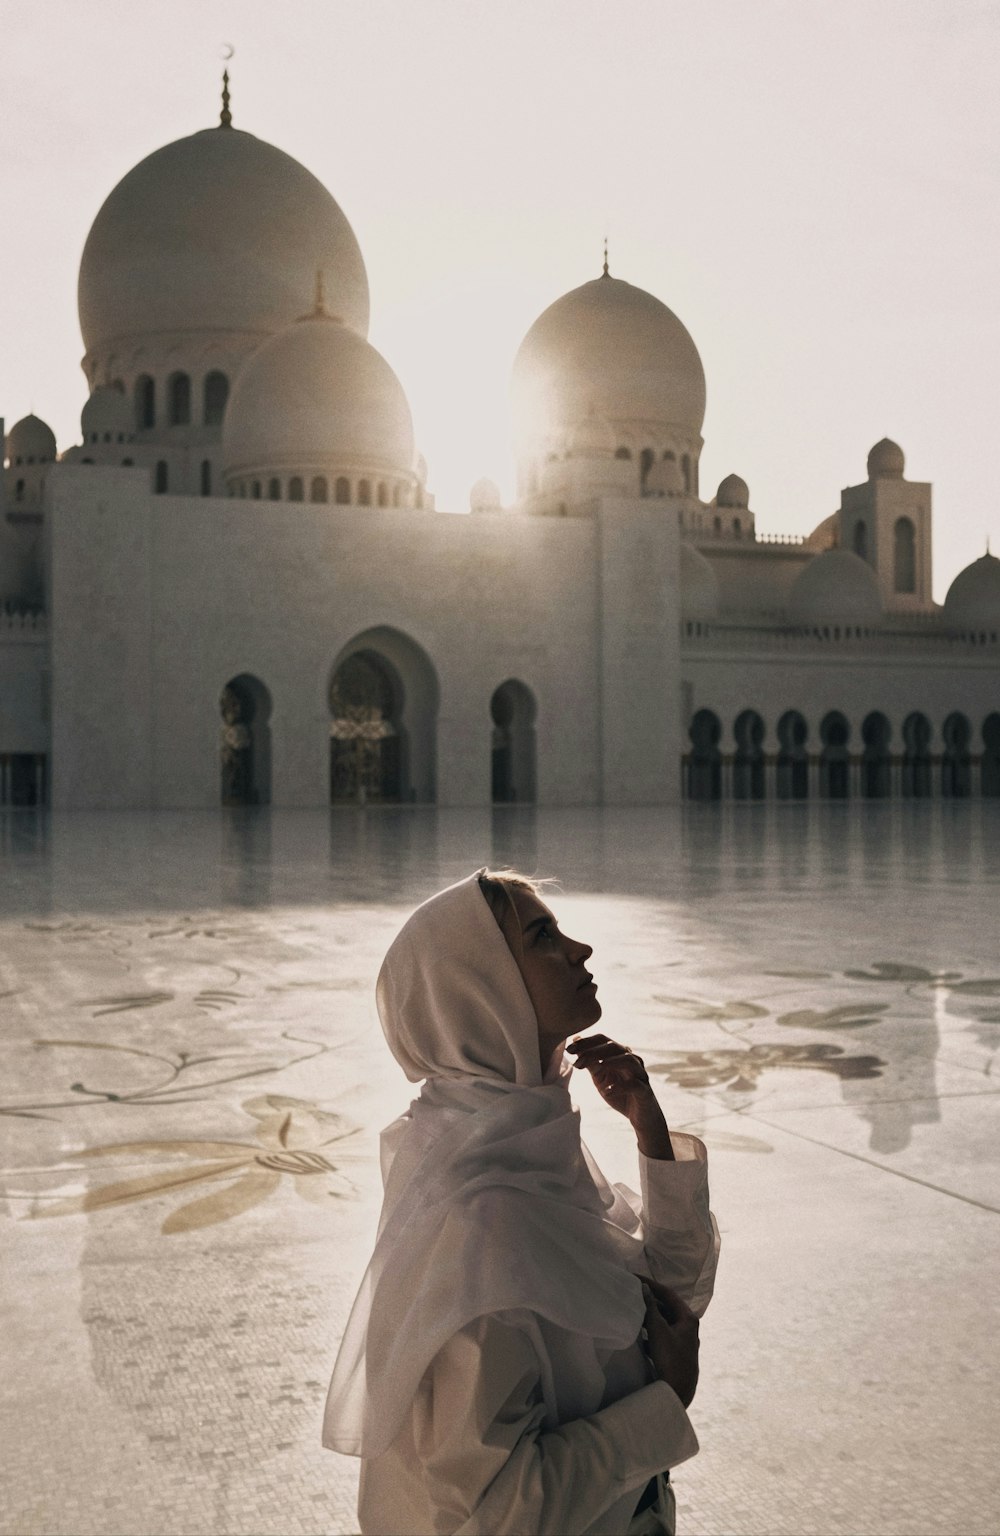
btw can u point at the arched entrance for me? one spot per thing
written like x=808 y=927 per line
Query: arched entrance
x=512 y=710
x=245 y=742
x=990 y=784
x=835 y=758
x=705 y=760
x=916 y=770
x=748 y=761
x=876 y=763
x=792 y=767
x=956 y=760
x=383 y=721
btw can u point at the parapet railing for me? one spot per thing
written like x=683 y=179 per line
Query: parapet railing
x=698 y=634
x=32 y=622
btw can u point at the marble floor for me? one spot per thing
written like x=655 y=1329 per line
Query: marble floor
x=192 y=1077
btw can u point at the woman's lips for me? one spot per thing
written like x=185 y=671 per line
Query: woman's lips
x=587 y=982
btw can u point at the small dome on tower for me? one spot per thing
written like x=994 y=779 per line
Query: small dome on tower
x=836 y=587
x=886 y=461
x=699 y=585
x=733 y=492
x=665 y=479
x=484 y=497
x=31 y=438
x=106 y=411
x=974 y=596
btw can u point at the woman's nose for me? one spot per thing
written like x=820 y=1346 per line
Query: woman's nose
x=579 y=951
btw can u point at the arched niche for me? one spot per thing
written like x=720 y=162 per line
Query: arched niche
x=704 y=777
x=956 y=759
x=215 y=397
x=915 y=773
x=245 y=741
x=748 y=759
x=991 y=756
x=904 y=555
x=876 y=760
x=792 y=765
x=513 y=761
x=383 y=703
x=835 y=757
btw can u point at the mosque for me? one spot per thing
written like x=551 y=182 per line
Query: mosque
x=237 y=588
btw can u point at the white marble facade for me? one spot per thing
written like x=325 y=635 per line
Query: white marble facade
x=237 y=587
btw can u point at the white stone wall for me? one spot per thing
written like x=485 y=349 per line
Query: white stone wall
x=24 y=724
x=159 y=601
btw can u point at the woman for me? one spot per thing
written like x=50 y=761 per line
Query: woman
x=504 y=1368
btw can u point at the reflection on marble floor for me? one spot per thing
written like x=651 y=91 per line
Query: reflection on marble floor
x=192 y=1075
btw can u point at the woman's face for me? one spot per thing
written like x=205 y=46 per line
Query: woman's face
x=562 y=990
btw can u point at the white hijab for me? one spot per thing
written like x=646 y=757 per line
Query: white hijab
x=491 y=1200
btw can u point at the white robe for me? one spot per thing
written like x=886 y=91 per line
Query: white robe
x=478 y=1454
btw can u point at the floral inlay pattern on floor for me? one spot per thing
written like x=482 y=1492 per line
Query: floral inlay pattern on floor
x=294 y=1139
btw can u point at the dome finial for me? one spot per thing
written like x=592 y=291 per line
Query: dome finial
x=319 y=310
x=605 y=273
x=225 y=116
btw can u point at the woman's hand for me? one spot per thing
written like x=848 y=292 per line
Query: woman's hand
x=672 y=1337
x=623 y=1082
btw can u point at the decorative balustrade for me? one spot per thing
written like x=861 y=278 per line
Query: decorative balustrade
x=928 y=633
x=29 y=625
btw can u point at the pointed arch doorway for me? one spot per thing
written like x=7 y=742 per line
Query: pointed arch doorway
x=383 y=701
x=512 y=711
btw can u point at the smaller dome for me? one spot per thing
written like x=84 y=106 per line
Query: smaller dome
x=974 y=596
x=484 y=497
x=591 y=437
x=733 y=492
x=836 y=587
x=824 y=535
x=31 y=438
x=317 y=393
x=665 y=479
x=107 y=410
x=699 y=585
x=886 y=461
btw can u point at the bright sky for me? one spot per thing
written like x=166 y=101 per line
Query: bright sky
x=811 y=185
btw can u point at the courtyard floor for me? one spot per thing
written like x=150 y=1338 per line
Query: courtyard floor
x=187 y=1007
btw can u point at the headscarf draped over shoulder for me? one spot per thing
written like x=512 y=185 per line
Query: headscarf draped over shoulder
x=491 y=1201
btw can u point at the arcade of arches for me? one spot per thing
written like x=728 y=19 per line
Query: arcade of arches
x=836 y=760
x=383 y=721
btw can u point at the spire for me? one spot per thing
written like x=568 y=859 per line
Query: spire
x=319 y=310
x=225 y=116
x=605 y=273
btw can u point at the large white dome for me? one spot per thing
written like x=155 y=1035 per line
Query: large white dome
x=974 y=596
x=317 y=395
x=836 y=587
x=216 y=232
x=612 y=350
